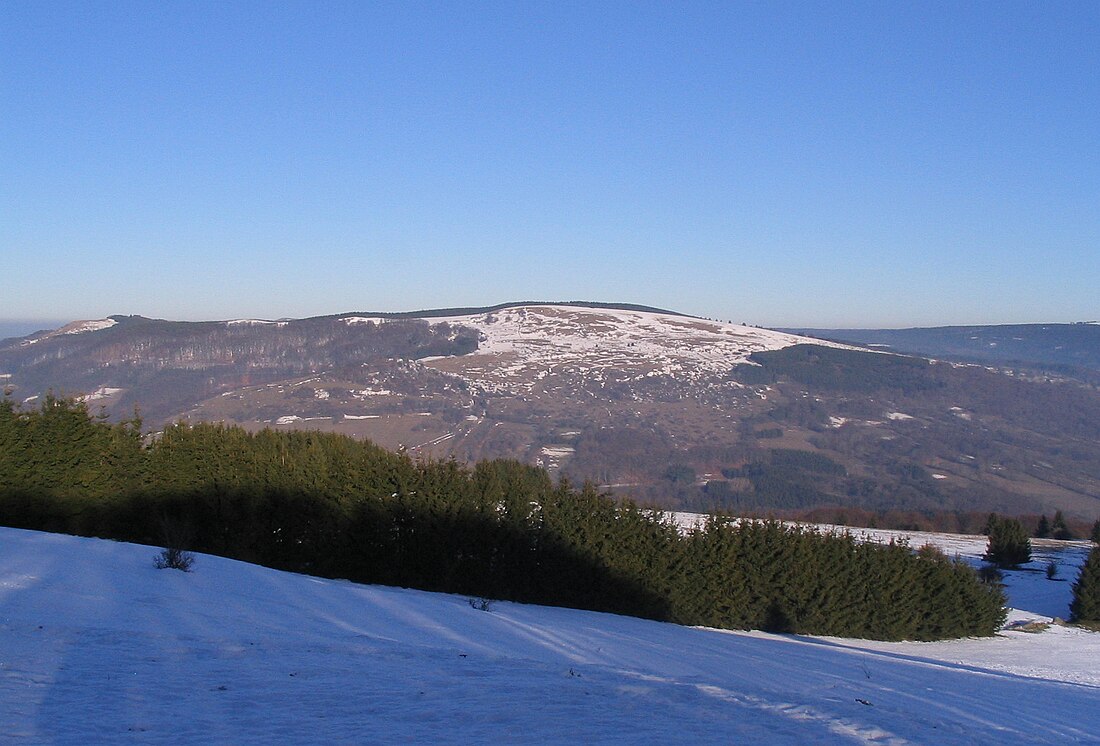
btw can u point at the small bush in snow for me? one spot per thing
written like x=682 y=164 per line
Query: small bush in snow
x=171 y=558
x=481 y=604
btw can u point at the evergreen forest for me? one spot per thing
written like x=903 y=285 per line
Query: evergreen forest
x=333 y=506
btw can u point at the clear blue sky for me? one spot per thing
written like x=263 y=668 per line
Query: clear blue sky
x=825 y=164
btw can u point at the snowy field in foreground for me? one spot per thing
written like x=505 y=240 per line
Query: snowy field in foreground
x=96 y=646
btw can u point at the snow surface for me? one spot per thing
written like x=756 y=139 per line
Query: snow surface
x=97 y=646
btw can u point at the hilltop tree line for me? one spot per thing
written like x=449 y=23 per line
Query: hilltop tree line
x=333 y=506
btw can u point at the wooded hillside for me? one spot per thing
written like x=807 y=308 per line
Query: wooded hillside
x=337 y=507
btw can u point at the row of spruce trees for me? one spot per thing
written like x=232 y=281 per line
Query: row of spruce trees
x=329 y=505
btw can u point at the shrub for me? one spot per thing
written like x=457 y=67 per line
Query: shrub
x=171 y=558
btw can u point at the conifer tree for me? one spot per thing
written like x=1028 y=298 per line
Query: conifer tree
x=1042 y=531
x=1086 y=591
x=1095 y=536
x=1009 y=545
x=1058 y=528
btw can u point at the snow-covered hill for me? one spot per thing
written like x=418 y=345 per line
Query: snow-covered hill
x=96 y=646
x=523 y=345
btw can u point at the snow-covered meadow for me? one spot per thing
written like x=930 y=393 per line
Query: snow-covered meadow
x=97 y=646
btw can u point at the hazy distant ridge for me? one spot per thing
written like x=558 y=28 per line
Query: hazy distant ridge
x=1075 y=345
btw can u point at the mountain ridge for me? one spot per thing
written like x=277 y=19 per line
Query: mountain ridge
x=1061 y=347
x=686 y=412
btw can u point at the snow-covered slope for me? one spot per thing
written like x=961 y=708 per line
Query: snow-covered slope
x=521 y=345
x=76 y=327
x=96 y=646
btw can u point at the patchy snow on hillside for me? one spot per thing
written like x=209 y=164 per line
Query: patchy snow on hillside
x=97 y=646
x=520 y=345
x=75 y=327
x=353 y=320
x=80 y=327
x=255 y=322
x=103 y=392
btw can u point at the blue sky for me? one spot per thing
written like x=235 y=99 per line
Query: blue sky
x=784 y=164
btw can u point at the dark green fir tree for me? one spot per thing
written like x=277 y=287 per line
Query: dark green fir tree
x=1086 y=591
x=1009 y=545
x=1058 y=527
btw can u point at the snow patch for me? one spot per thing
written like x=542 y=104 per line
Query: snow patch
x=255 y=322
x=364 y=393
x=352 y=320
x=558 y=451
x=101 y=393
x=81 y=327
